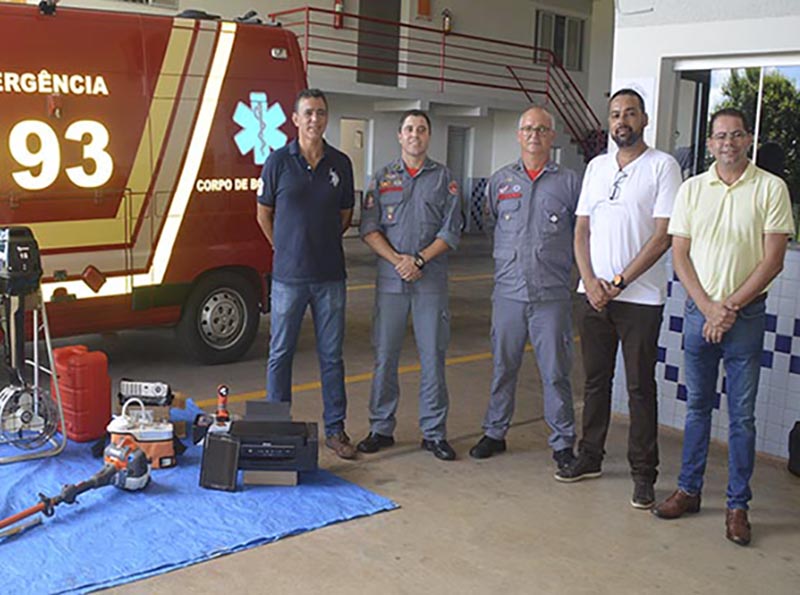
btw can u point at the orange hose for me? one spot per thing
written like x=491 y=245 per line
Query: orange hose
x=15 y=518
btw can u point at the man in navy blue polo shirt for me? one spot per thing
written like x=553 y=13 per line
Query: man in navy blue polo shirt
x=305 y=202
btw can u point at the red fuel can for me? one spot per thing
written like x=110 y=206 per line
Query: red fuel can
x=85 y=391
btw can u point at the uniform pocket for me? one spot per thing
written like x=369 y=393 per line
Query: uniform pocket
x=501 y=253
x=503 y=263
x=555 y=220
x=435 y=203
x=391 y=203
x=509 y=214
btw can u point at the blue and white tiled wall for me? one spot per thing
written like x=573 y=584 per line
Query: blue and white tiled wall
x=474 y=206
x=778 y=401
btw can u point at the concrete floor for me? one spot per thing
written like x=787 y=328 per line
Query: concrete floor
x=499 y=525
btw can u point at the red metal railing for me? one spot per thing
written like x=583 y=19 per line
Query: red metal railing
x=396 y=50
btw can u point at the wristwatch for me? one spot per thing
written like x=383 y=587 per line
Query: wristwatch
x=619 y=282
x=419 y=262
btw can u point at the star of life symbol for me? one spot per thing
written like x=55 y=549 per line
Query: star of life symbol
x=260 y=125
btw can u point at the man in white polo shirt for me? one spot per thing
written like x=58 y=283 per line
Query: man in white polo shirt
x=620 y=236
x=730 y=229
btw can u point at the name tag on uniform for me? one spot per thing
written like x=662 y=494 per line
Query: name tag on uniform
x=385 y=189
x=391 y=183
x=509 y=195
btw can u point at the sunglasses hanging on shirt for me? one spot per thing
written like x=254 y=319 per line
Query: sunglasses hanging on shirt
x=615 y=186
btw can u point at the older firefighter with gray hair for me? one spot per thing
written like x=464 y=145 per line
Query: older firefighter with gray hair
x=531 y=206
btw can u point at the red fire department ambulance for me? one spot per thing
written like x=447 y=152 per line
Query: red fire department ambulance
x=132 y=145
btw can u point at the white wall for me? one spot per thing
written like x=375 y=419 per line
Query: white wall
x=506 y=148
x=383 y=133
x=597 y=57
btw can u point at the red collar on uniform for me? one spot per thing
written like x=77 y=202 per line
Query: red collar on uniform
x=534 y=173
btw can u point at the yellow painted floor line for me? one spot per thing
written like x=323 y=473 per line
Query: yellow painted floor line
x=354 y=379
x=366 y=377
x=484 y=277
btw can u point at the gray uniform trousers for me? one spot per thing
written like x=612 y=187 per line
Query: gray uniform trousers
x=548 y=324
x=431 y=322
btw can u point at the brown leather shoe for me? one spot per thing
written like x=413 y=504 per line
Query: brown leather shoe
x=677 y=504
x=737 y=527
x=340 y=444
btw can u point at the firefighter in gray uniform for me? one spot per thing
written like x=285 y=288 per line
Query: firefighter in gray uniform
x=411 y=218
x=531 y=206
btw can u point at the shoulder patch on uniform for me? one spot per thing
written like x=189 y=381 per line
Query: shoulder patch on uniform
x=452 y=188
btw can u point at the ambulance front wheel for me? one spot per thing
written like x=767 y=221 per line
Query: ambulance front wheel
x=220 y=319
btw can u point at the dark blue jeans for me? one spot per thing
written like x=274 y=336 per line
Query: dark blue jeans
x=740 y=352
x=288 y=305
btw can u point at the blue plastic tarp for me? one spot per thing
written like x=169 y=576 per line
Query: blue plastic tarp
x=111 y=537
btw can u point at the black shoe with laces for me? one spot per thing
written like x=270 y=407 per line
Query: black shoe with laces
x=487 y=447
x=564 y=458
x=644 y=495
x=374 y=442
x=583 y=468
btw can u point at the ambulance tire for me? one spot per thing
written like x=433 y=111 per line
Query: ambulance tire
x=220 y=319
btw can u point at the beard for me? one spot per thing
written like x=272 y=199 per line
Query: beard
x=632 y=138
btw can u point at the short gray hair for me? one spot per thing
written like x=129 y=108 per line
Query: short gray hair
x=540 y=108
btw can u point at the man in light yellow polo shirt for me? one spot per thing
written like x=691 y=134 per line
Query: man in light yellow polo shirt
x=730 y=227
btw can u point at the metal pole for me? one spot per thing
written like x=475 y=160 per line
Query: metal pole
x=308 y=32
x=441 y=61
x=757 y=124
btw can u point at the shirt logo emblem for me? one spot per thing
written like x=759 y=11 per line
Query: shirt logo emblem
x=334 y=178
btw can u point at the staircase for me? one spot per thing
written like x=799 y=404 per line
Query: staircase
x=396 y=53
